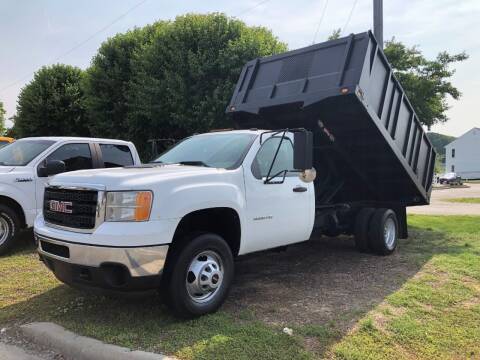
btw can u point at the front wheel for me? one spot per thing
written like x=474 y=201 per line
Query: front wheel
x=199 y=276
x=9 y=227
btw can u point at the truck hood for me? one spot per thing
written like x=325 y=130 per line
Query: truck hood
x=135 y=177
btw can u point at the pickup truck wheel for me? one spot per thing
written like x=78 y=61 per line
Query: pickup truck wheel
x=383 y=232
x=9 y=226
x=200 y=277
x=362 y=222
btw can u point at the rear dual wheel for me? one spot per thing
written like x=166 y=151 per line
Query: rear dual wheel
x=376 y=230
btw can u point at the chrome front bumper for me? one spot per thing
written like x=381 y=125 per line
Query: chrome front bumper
x=139 y=261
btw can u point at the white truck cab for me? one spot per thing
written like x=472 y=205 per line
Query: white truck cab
x=178 y=221
x=27 y=164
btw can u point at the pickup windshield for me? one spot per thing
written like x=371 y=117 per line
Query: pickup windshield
x=212 y=150
x=21 y=152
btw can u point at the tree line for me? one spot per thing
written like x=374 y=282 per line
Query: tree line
x=174 y=78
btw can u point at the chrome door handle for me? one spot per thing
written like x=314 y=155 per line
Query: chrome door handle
x=299 y=189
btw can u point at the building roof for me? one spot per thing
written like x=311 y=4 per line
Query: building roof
x=461 y=136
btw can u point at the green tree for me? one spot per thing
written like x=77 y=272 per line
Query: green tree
x=107 y=81
x=183 y=79
x=2 y=118
x=426 y=82
x=52 y=103
x=336 y=33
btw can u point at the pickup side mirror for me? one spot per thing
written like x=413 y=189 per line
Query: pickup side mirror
x=51 y=167
x=302 y=150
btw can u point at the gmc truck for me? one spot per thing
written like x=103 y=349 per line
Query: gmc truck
x=27 y=164
x=341 y=152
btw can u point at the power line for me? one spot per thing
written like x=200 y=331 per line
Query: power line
x=320 y=21
x=80 y=44
x=251 y=8
x=349 y=16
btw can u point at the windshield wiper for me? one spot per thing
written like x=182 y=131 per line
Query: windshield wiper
x=193 y=163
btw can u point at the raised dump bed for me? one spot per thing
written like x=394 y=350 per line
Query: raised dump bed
x=368 y=142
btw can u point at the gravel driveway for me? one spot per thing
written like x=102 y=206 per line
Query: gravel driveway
x=438 y=205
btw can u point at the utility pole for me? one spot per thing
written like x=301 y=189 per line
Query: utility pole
x=378 y=21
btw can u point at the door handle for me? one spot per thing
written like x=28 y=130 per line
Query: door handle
x=299 y=189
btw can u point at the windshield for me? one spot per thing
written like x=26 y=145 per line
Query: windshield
x=212 y=150
x=21 y=152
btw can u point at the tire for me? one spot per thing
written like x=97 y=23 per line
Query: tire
x=9 y=227
x=199 y=256
x=360 y=230
x=383 y=232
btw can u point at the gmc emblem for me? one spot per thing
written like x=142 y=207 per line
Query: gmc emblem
x=61 y=206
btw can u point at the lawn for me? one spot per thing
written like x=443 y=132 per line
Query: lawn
x=465 y=200
x=433 y=314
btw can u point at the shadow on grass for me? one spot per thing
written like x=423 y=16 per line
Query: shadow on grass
x=319 y=288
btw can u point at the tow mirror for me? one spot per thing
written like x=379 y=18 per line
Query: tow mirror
x=302 y=150
x=51 y=167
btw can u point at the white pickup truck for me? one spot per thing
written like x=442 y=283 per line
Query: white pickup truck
x=27 y=164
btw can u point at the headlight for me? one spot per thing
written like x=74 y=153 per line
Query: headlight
x=128 y=205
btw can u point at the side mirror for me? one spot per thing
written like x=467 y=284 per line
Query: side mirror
x=303 y=150
x=51 y=167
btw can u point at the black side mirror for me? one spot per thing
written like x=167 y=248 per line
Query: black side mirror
x=51 y=167
x=302 y=150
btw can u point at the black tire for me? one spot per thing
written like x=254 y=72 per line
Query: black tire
x=378 y=240
x=10 y=223
x=360 y=230
x=175 y=282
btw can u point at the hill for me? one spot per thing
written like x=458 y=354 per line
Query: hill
x=439 y=141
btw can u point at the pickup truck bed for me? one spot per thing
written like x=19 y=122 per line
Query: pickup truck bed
x=368 y=142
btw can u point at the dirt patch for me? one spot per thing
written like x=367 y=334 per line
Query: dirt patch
x=320 y=281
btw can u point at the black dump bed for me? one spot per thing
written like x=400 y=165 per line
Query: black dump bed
x=368 y=142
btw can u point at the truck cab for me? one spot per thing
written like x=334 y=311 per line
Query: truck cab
x=27 y=164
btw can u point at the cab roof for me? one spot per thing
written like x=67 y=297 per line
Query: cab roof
x=75 y=138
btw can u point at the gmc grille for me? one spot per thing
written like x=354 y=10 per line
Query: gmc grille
x=80 y=214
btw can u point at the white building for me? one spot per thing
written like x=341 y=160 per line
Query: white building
x=462 y=155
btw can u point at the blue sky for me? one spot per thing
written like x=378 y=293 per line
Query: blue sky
x=36 y=32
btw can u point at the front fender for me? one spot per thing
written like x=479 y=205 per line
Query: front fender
x=192 y=197
x=24 y=198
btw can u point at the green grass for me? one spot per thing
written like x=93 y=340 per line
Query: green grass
x=28 y=292
x=471 y=200
x=434 y=314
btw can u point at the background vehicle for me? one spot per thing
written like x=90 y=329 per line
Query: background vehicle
x=4 y=140
x=450 y=178
x=178 y=223
x=27 y=164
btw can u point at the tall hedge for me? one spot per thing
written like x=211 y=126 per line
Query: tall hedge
x=172 y=80
x=53 y=103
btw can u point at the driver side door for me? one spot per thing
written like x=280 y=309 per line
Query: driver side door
x=278 y=213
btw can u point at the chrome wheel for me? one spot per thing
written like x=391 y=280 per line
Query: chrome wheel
x=4 y=230
x=389 y=233
x=204 y=276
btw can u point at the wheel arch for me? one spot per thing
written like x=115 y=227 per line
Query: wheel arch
x=223 y=221
x=14 y=205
